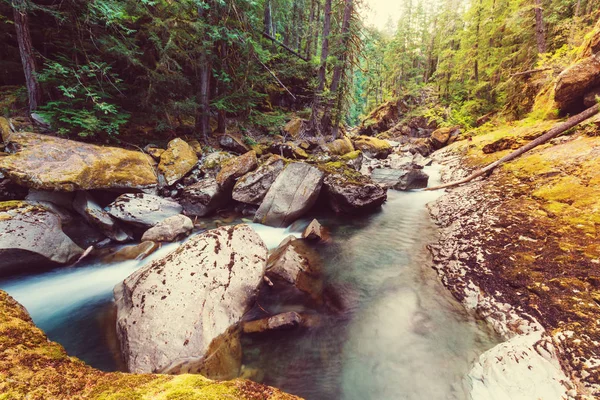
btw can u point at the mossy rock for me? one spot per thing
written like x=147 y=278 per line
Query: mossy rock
x=176 y=161
x=50 y=163
x=340 y=146
x=32 y=367
x=372 y=146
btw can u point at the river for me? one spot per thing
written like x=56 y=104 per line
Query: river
x=402 y=337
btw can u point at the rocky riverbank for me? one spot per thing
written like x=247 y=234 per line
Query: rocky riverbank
x=520 y=250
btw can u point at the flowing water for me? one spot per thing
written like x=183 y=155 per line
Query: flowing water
x=400 y=335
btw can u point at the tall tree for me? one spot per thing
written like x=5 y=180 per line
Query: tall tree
x=540 y=29
x=322 y=72
x=27 y=54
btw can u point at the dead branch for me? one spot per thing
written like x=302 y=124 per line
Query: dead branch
x=271 y=38
x=276 y=78
x=555 y=131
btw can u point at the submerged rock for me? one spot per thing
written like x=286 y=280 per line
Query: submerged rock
x=31 y=235
x=253 y=187
x=170 y=311
x=353 y=197
x=176 y=162
x=143 y=210
x=51 y=163
x=169 y=230
x=293 y=193
x=202 y=198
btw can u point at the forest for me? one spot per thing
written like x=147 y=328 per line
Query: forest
x=102 y=67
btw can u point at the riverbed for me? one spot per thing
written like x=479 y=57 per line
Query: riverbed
x=401 y=336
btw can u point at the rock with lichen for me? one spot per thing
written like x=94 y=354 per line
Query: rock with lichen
x=31 y=236
x=253 y=187
x=171 y=311
x=143 y=210
x=176 y=162
x=51 y=163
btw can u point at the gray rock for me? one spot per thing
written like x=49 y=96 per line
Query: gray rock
x=350 y=197
x=10 y=190
x=212 y=163
x=231 y=143
x=170 y=312
x=170 y=229
x=314 y=231
x=62 y=199
x=293 y=193
x=203 y=198
x=253 y=187
x=85 y=205
x=31 y=236
x=142 y=209
x=400 y=179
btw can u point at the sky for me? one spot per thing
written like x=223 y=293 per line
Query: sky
x=378 y=12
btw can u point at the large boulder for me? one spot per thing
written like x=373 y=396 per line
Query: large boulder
x=253 y=187
x=213 y=162
x=202 y=198
x=288 y=150
x=51 y=163
x=373 y=147
x=293 y=193
x=96 y=216
x=172 y=228
x=353 y=197
x=574 y=82
x=236 y=168
x=30 y=236
x=339 y=146
x=441 y=137
x=175 y=162
x=144 y=210
x=169 y=312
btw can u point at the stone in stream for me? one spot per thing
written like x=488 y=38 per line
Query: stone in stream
x=346 y=196
x=203 y=197
x=177 y=314
x=253 y=187
x=50 y=163
x=373 y=147
x=169 y=230
x=294 y=266
x=30 y=236
x=143 y=210
x=213 y=162
x=284 y=321
x=400 y=179
x=175 y=162
x=90 y=210
x=293 y=193
x=314 y=231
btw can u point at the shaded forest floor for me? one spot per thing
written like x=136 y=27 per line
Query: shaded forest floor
x=528 y=235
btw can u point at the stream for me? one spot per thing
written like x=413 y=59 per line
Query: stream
x=403 y=335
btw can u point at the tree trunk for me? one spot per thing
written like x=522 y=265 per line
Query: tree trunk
x=27 y=58
x=476 y=47
x=203 y=111
x=316 y=108
x=311 y=30
x=552 y=133
x=267 y=18
x=339 y=67
x=540 y=30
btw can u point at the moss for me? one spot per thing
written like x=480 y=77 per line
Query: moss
x=31 y=367
x=351 y=156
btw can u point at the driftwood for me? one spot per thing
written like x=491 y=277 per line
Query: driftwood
x=555 y=131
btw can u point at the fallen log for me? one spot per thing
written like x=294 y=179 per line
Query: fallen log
x=555 y=131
